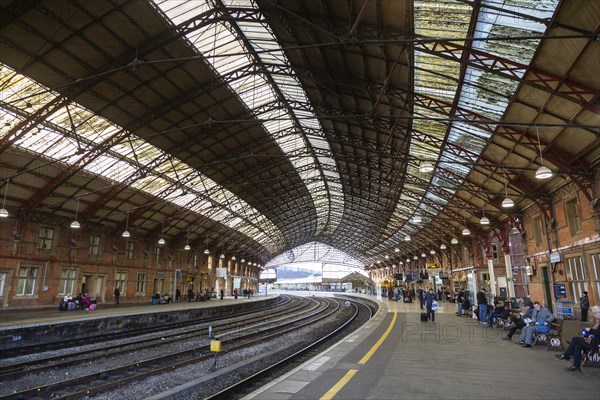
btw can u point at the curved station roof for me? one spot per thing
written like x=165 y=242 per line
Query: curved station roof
x=258 y=126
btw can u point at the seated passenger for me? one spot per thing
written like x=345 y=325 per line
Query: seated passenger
x=541 y=319
x=519 y=323
x=590 y=341
x=86 y=301
x=498 y=312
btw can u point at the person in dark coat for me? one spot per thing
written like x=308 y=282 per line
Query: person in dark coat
x=459 y=300
x=482 y=305
x=429 y=299
x=590 y=341
x=117 y=295
x=584 y=303
x=421 y=298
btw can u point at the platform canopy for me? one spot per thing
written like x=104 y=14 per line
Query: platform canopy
x=253 y=127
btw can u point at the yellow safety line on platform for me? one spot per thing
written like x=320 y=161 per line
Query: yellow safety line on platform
x=338 y=386
x=346 y=378
x=379 y=342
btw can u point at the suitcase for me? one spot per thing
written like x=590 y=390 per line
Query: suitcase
x=423 y=317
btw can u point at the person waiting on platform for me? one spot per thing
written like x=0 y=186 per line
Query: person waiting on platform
x=190 y=294
x=482 y=306
x=156 y=298
x=431 y=304
x=590 y=341
x=467 y=308
x=459 y=300
x=541 y=317
x=499 y=311
x=519 y=322
x=421 y=297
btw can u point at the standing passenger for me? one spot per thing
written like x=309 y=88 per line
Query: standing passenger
x=482 y=304
x=584 y=303
x=117 y=295
x=459 y=300
x=430 y=297
x=421 y=298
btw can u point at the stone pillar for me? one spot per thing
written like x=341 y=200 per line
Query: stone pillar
x=510 y=283
x=490 y=263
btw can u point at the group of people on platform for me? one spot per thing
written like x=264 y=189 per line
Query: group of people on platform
x=80 y=302
x=535 y=318
x=162 y=298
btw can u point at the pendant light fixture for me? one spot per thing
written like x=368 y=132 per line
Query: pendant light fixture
x=466 y=231
x=484 y=220
x=206 y=251
x=423 y=255
x=442 y=246
x=4 y=211
x=126 y=233
x=454 y=241
x=75 y=224
x=187 y=246
x=396 y=250
x=432 y=252
x=542 y=172
x=507 y=202
x=161 y=241
x=407 y=238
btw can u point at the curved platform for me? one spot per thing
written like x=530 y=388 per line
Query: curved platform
x=396 y=356
x=32 y=327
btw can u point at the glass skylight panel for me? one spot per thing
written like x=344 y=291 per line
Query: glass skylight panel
x=94 y=130
x=259 y=37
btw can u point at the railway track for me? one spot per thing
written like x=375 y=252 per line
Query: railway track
x=235 y=335
x=104 y=337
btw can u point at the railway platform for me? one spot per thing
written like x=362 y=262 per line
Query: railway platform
x=20 y=327
x=395 y=356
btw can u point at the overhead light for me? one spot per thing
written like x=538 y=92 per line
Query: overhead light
x=4 y=211
x=187 y=243
x=507 y=202
x=222 y=256
x=466 y=232
x=206 y=251
x=426 y=167
x=432 y=251
x=542 y=172
x=401 y=262
x=242 y=261
x=396 y=250
x=232 y=258
x=161 y=241
x=454 y=241
x=484 y=220
x=423 y=255
x=187 y=247
x=442 y=246
x=407 y=260
x=126 y=233
x=75 y=224
x=407 y=238
x=415 y=258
